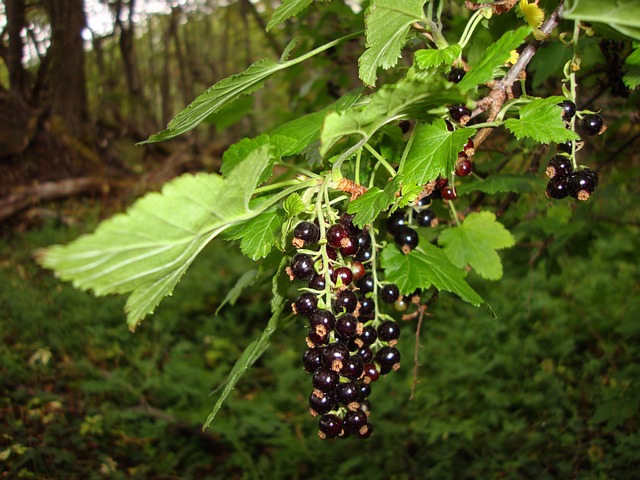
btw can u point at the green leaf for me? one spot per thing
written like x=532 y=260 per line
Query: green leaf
x=507 y=182
x=387 y=24
x=475 y=242
x=294 y=205
x=255 y=350
x=231 y=113
x=411 y=95
x=433 y=152
x=240 y=151
x=632 y=69
x=428 y=58
x=421 y=269
x=146 y=250
x=259 y=234
x=368 y=206
x=286 y=10
x=541 y=120
x=495 y=56
x=247 y=279
x=623 y=15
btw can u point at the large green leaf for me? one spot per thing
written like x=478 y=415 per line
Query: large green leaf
x=475 y=242
x=421 y=269
x=387 y=24
x=428 y=58
x=495 y=55
x=286 y=10
x=623 y=15
x=433 y=152
x=632 y=69
x=258 y=235
x=541 y=120
x=368 y=206
x=146 y=250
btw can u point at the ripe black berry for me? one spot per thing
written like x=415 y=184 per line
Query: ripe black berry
x=318 y=336
x=365 y=353
x=325 y=379
x=335 y=355
x=345 y=301
x=312 y=359
x=364 y=390
x=347 y=393
x=388 y=358
x=367 y=305
x=302 y=266
x=354 y=420
x=368 y=335
x=582 y=183
x=308 y=232
x=448 y=193
x=364 y=240
x=352 y=368
x=366 y=283
x=565 y=147
x=364 y=255
x=557 y=188
x=427 y=218
x=406 y=238
x=317 y=282
x=347 y=326
x=458 y=112
x=395 y=221
x=568 y=109
x=336 y=233
x=357 y=270
x=324 y=318
x=366 y=431
x=345 y=274
x=464 y=167
x=306 y=304
x=346 y=219
x=592 y=124
x=389 y=293
x=455 y=75
x=330 y=426
x=388 y=331
x=371 y=373
x=559 y=166
x=321 y=404
x=349 y=246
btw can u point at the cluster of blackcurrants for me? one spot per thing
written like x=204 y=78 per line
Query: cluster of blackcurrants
x=399 y=223
x=564 y=180
x=349 y=347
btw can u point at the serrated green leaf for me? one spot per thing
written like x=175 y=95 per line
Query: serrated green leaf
x=241 y=150
x=387 y=24
x=259 y=234
x=541 y=120
x=475 y=242
x=146 y=250
x=495 y=55
x=508 y=182
x=286 y=10
x=255 y=350
x=294 y=205
x=632 y=69
x=421 y=269
x=368 y=206
x=623 y=15
x=428 y=58
x=410 y=95
x=433 y=152
x=247 y=279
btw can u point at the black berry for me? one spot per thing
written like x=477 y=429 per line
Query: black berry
x=455 y=75
x=302 y=266
x=388 y=358
x=347 y=326
x=357 y=270
x=352 y=368
x=321 y=404
x=312 y=359
x=388 y=331
x=395 y=221
x=335 y=355
x=368 y=335
x=464 y=167
x=366 y=283
x=330 y=426
x=349 y=246
x=427 y=218
x=568 y=109
x=308 y=232
x=565 y=147
x=345 y=274
x=448 y=193
x=324 y=318
x=317 y=282
x=406 y=238
x=389 y=293
x=559 y=166
x=364 y=255
x=347 y=393
x=582 y=183
x=367 y=305
x=364 y=240
x=336 y=233
x=354 y=420
x=345 y=301
x=557 y=188
x=325 y=379
x=458 y=112
x=306 y=304
x=592 y=124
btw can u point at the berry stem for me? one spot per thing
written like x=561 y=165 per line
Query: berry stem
x=323 y=244
x=380 y=159
x=407 y=147
x=473 y=22
x=357 y=172
x=374 y=271
x=575 y=65
x=453 y=212
x=298 y=169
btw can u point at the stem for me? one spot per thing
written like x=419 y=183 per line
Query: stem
x=357 y=176
x=374 y=271
x=298 y=169
x=454 y=212
x=572 y=87
x=473 y=22
x=407 y=147
x=323 y=246
x=380 y=159
x=276 y=186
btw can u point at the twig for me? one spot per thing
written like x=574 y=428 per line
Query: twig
x=421 y=311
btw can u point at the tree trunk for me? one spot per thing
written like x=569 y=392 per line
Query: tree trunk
x=16 y=22
x=66 y=79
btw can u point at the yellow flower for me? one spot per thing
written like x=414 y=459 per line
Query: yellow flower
x=534 y=16
x=513 y=58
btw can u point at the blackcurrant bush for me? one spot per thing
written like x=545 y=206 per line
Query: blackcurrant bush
x=366 y=283
x=568 y=109
x=582 y=183
x=345 y=301
x=335 y=355
x=557 y=188
x=455 y=74
x=348 y=392
x=336 y=233
x=354 y=420
x=559 y=166
x=308 y=232
x=406 y=238
x=388 y=358
x=325 y=379
x=306 y=304
x=426 y=218
x=302 y=266
x=389 y=293
x=321 y=404
x=388 y=331
x=312 y=359
x=592 y=124
x=395 y=221
x=345 y=274
x=353 y=367
x=347 y=326
x=324 y=318
x=448 y=193
x=459 y=112
x=464 y=167
x=330 y=426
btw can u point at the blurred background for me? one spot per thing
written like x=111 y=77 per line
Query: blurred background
x=550 y=389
